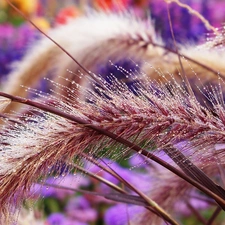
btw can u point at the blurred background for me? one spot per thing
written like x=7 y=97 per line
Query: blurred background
x=16 y=33
x=60 y=207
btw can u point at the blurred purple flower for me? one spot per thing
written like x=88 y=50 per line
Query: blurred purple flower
x=140 y=179
x=79 y=208
x=186 y=27
x=70 y=181
x=122 y=214
x=61 y=219
x=218 y=17
x=13 y=44
x=56 y=219
x=137 y=161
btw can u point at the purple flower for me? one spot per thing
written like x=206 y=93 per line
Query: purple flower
x=61 y=219
x=137 y=161
x=13 y=44
x=67 y=181
x=139 y=179
x=186 y=27
x=56 y=219
x=79 y=208
x=121 y=214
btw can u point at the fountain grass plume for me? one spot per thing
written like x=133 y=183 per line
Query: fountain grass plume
x=152 y=115
x=86 y=113
x=119 y=36
x=108 y=37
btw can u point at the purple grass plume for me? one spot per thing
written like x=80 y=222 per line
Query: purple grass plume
x=124 y=106
x=155 y=116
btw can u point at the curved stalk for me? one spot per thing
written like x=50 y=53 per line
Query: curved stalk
x=119 y=139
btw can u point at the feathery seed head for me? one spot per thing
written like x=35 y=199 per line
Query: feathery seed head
x=154 y=120
x=85 y=111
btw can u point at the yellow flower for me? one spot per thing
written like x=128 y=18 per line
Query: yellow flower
x=26 y=6
x=41 y=22
x=2 y=4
